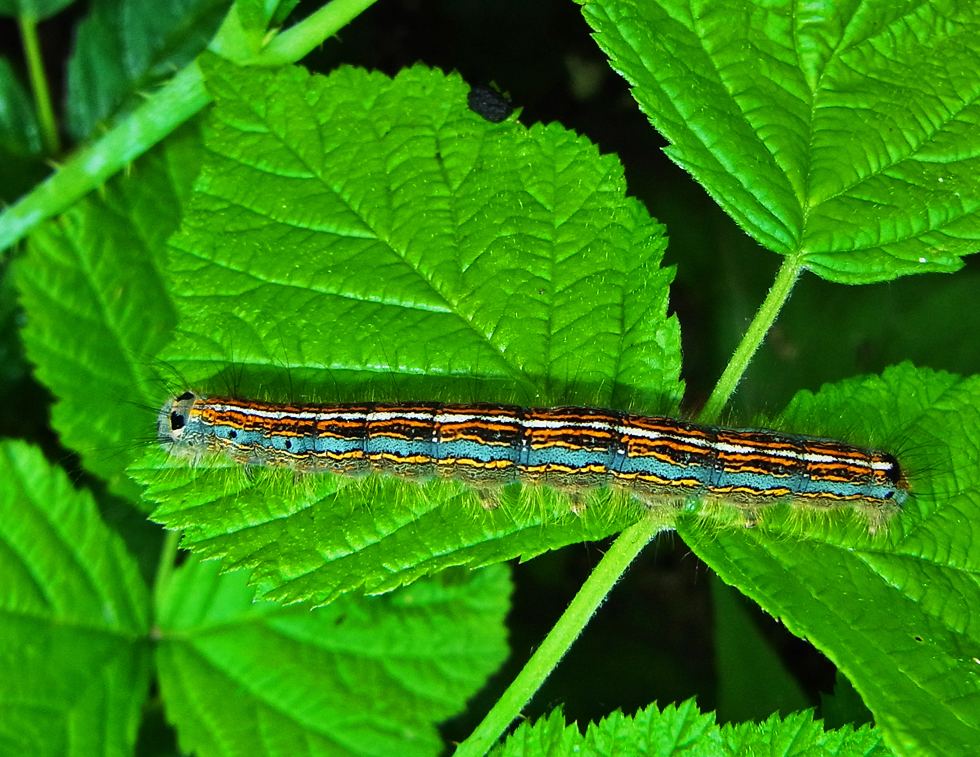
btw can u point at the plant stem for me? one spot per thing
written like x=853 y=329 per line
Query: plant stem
x=174 y=104
x=781 y=288
x=39 y=85
x=180 y=99
x=560 y=638
x=297 y=41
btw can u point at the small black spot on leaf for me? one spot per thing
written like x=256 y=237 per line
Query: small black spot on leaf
x=489 y=103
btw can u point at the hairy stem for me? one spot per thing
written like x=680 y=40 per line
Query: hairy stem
x=297 y=41
x=756 y=332
x=560 y=638
x=39 y=85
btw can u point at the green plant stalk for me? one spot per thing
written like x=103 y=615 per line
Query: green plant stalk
x=39 y=85
x=562 y=635
x=626 y=547
x=297 y=41
x=184 y=96
x=162 y=113
x=764 y=318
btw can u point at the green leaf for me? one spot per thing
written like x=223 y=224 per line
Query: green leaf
x=843 y=134
x=683 y=730
x=122 y=51
x=892 y=611
x=356 y=235
x=363 y=676
x=74 y=613
x=799 y=734
x=19 y=131
x=327 y=538
x=97 y=310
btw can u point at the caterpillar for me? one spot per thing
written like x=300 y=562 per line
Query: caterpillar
x=574 y=449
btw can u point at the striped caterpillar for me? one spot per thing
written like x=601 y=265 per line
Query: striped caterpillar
x=574 y=449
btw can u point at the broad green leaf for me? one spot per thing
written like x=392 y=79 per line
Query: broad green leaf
x=683 y=730
x=73 y=615
x=355 y=236
x=363 y=676
x=325 y=538
x=97 y=310
x=843 y=134
x=122 y=51
x=893 y=611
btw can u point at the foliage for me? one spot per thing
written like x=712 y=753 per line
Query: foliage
x=346 y=235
